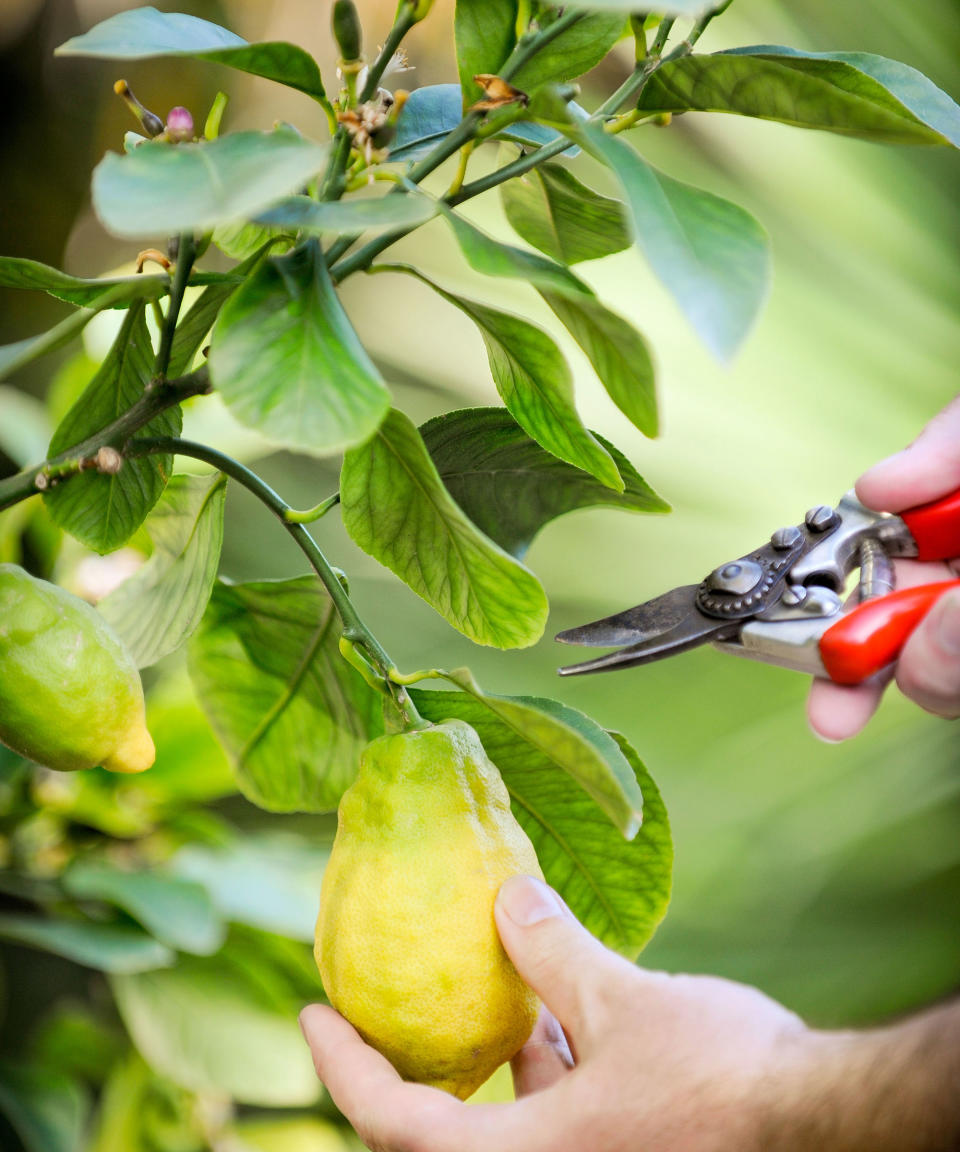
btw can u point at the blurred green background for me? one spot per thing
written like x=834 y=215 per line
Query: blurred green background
x=827 y=875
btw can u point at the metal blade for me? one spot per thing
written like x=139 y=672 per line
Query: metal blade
x=691 y=632
x=642 y=622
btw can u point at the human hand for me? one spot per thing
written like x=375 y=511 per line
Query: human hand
x=928 y=671
x=621 y=1058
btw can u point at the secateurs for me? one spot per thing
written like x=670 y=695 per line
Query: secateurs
x=782 y=603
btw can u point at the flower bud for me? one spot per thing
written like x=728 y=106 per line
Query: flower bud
x=149 y=121
x=346 y=29
x=179 y=124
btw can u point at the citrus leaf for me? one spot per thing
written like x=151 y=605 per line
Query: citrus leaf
x=16 y=272
x=356 y=214
x=208 y=1026
x=572 y=743
x=435 y=110
x=144 y=32
x=569 y=222
x=853 y=93
x=485 y=32
x=156 y=609
x=710 y=254
x=396 y=508
x=510 y=487
x=619 y=889
x=192 y=328
x=288 y=363
x=619 y=355
x=47 y=1109
x=492 y=258
x=176 y=912
x=104 y=511
x=535 y=383
x=109 y=947
x=292 y=714
x=574 y=52
x=164 y=188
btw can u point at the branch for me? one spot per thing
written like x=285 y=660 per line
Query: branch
x=355 y=631
x=157 y=398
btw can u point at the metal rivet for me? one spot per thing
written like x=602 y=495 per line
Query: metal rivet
x=793 y=595
x=821 y=518
x=785 y=538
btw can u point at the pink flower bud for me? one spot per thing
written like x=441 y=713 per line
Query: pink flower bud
x=179 y=124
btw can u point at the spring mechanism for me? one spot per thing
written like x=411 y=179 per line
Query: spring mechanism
x=876 y=571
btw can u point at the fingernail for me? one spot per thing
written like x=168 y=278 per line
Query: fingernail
x=303 y=1027
x=527 y=900
x=948 y=626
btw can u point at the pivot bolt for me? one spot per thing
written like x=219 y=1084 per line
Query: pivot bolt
x=821 y=518
x=737 y=578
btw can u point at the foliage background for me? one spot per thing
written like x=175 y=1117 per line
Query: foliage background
x=827 y=875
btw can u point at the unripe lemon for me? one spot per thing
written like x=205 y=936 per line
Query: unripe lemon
x=70 y=693
x=406 y=941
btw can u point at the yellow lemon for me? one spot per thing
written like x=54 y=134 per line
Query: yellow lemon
x=406 y=941
x=70 y=693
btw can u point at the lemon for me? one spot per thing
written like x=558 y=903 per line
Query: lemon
x=406 y=941
x=70 y=693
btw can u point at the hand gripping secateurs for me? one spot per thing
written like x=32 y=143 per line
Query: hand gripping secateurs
x=782 y=603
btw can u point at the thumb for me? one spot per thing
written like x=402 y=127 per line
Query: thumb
x=575 y=976
x=928 y=469
x=929 y=667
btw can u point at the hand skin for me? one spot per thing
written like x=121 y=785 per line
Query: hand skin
x=928 y=671
x=642 y=1061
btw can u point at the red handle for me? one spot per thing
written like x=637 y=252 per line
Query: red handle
x=867 y=639
x=936 y=528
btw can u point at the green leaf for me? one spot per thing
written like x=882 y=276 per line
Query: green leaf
x=355 y=214
x=572 y=53
x=47 y=1110
x=535 y=383
x=193 y=327
x=492 y=258
x=619 y=355
x=619 y=889
x=109 y=947
x=209 y=1026
x=853 y=93
x=104 y=511
x=265 y=880
x=292 y=714
x=561 y=741
x=710 y=254
x=194 y=187
x=396 y=508
x=288 y=363
x=16 y=272
x=240 y=239
x=176 y=912
x=569 y=741
x=550 y=208
x=485 y=32
x=145 y=32
x=435 y=110
x=510 y=487
x=159 y=607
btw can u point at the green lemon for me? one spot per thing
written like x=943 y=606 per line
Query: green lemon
x=406 y=941
x=70 y=693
